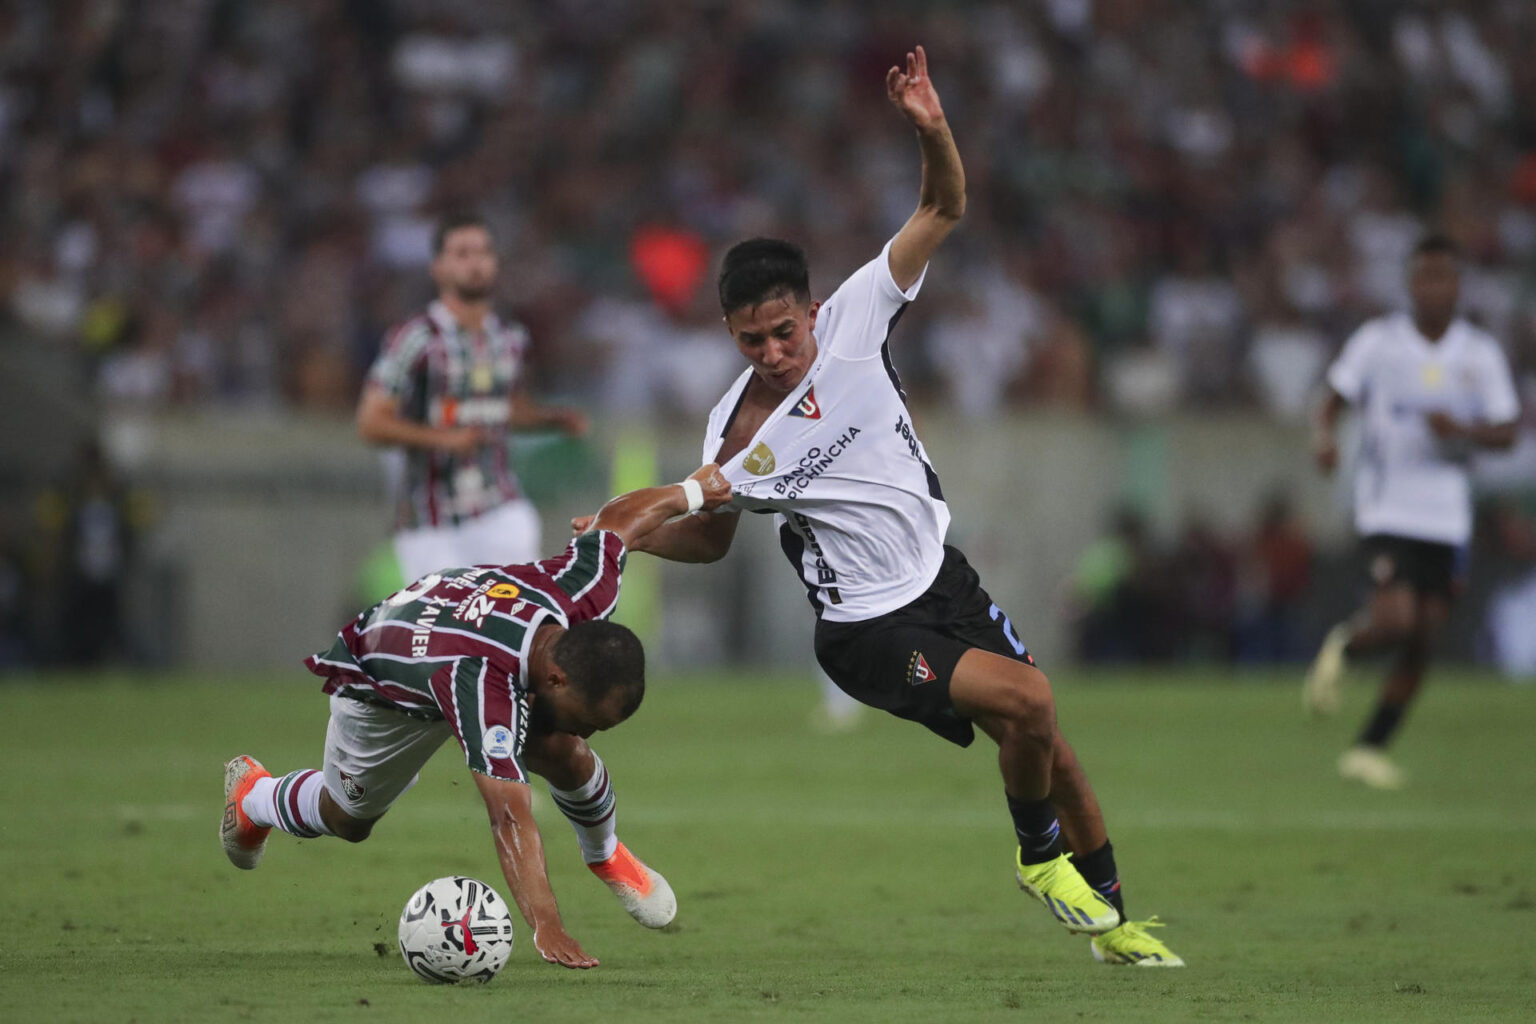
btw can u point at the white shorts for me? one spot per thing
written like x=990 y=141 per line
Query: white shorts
x=374 y=754
x=506 y=535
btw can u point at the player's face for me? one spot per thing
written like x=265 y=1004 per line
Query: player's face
x=1434 y=282
x=562 y=709
x=467 y=265
x=775 y=337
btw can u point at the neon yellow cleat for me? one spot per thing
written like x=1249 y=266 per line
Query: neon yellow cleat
x=1320 y=691
x=1072 y=901
x=1130 y=944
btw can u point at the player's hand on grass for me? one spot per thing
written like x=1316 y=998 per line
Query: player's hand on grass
x=913 y=94
x=717 y=490
x=557 y=947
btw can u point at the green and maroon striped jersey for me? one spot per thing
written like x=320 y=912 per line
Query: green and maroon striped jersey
x=454 y=644
x=447 y=376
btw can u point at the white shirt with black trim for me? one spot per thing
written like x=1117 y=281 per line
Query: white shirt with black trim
x=859 y=509
x=1408 y=482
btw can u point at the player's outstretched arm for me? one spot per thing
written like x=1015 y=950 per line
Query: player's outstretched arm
x=634 y=515
x=702 y=537
x=941 y=202
x=521 y=851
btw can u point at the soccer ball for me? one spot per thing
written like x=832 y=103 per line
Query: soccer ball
x=455 y=929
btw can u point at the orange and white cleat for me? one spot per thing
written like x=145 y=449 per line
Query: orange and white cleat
x=243 y=839
x=642 y=892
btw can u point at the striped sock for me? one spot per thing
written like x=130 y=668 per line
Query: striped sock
x=290 y=803
x=590 y=810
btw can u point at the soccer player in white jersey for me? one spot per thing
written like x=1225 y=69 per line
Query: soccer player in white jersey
x=1431 y=389
x=519 y=666
x=446 y=387
x=816 y=430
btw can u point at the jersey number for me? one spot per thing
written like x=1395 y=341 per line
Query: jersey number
x=1013 y=640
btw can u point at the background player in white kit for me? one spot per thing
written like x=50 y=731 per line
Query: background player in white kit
x=446 y=387
x=1431 y=388
x=817 y=431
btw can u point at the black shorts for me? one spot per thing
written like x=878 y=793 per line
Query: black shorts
x=1427 y=567
x=902 y=661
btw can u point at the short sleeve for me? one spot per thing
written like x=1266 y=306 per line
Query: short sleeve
x=858 y=317
x=1348 y=373
x=589 y=571
x=481 y=701
x=399 y=356
x=1500 y=401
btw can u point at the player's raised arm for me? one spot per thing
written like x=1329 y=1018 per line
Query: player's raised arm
x=520 y=849
x=637 y=513
x=941 y=202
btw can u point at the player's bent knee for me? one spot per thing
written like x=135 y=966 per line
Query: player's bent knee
x=1015 y=698
x=341 y=824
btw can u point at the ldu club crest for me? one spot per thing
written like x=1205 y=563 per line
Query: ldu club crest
x=759 y=461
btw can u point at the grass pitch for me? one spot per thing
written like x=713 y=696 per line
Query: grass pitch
x=863 y=877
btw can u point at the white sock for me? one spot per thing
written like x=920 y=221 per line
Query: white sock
x=289 y=802
x=590 y=810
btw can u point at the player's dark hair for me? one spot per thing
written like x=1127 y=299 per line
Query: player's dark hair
x=451 y=222
x=1437 y=243
x=599 y=657
x=760 y=269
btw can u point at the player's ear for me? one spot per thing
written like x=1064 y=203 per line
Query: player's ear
x=811 y=311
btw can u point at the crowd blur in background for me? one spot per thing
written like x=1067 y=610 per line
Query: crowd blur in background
x=1174 y=206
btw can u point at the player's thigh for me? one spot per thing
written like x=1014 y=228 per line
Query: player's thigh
x=426 y=550
x=898 y=664
x=1000 y=692
x=373 y=755
x=509 y=534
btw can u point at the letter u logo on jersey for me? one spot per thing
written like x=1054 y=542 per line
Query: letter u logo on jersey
x=759 y=461
x=807 y=407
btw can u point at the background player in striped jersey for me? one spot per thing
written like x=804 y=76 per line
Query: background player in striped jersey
x=519 y=665
x=446 y=387
x=817 y=431
x=1431 y=389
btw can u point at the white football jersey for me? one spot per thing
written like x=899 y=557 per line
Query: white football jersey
x=859 y=509
x=1408 y=482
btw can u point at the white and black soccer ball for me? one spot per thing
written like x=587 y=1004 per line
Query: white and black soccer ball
x=455 y=929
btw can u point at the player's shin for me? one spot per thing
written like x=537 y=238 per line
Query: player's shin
x=289 y=802
x=590 y=810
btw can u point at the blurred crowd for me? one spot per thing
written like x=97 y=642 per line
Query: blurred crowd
x=1173 y=204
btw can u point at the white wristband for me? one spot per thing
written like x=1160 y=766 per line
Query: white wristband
x=694 y=492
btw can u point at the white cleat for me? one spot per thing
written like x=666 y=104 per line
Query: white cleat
x=243 y=840
x=643 y=893
x=1320 y=691
x=1372 y=767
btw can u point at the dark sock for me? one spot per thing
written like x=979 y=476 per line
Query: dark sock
x=1382 y=724
x=1034 y=822
x=1098 y=870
